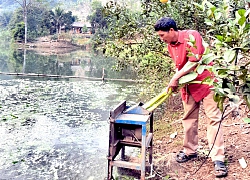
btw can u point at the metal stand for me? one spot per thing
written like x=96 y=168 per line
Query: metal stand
x=128 y=128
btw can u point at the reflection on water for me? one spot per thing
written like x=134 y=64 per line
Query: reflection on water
x=77 y=63
x=57 y=128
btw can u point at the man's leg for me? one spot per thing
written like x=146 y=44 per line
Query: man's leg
x=217 y=154
x=214 y=115
x=190 y=125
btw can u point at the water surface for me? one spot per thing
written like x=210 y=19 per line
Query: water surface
x=58 y=128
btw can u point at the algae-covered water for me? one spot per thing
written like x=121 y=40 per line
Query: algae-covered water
x=52 y=129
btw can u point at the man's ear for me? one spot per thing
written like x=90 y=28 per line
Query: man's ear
x=171 y=29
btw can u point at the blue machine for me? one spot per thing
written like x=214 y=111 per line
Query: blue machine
x=128 y=127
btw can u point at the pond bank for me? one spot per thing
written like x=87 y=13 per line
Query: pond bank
x=47 y=46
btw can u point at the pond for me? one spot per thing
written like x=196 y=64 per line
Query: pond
x=57 y=128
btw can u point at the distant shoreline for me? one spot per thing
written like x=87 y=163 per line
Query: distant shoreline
x=45 y=46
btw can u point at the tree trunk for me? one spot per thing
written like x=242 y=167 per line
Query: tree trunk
x=25 y=25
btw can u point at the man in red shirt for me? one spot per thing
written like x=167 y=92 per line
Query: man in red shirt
x=193 y=94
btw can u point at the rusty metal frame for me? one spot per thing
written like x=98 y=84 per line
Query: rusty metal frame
x=122 y=116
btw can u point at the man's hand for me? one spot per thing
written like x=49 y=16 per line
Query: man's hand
x=173 y=84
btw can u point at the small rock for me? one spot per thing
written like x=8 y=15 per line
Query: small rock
x=158 y=142
x=243 y=163
x=91 y=178
x=173 y=135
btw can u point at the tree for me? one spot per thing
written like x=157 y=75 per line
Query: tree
x=229 y=51
x=18 y=32
x=223 y=24
x=25 y=4
x=57 y=18
x=68 y=20
x=35 y=19
x=5 y=19
x=97 y=19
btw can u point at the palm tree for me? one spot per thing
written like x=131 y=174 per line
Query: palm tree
x=57 y=18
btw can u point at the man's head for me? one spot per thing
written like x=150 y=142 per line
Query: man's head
x=167 y=30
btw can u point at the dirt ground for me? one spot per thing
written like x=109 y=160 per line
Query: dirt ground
x=237 y=146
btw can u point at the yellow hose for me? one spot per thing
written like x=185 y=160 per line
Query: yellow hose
x=153 y=100
x=156 y=101
x=160 y=98
x=156 y=104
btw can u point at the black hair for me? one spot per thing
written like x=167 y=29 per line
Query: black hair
x=164 y=24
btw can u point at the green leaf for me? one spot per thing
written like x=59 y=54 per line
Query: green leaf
x=220 y=103
x=209 y=22
x=242 y=21
x=200 y=69
x=217 y=15
x=189 y=65
x=206 y=59
x=229 y=55
x=187 y=78
x=234 y=98
x=223 y=72
x=219 y=37
x=209 y=13
x=216 y=97
x=241 y=12
x=231 y=87
x=247 y=100
x=199 y=6
x=191 y=38
x=228 y=39
x=246 y=120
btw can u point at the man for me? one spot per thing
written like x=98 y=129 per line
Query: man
x=193 y=94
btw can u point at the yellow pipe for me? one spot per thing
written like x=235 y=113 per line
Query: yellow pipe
x=153 y=100
x=160 y=98
x=160 y=101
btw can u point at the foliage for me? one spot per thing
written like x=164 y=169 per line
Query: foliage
x=84 y=29
x=34 y=19
x=55 y=20
x=42 y=22
x=131 y=38
x=5 y=18
x=97 y=19
x=5 y=38
x=36 y=63
x=228 y=36
x=18 y=32
x=229 y=50
x=59 y=18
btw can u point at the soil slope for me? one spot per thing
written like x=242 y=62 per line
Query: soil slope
x=237 y=144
